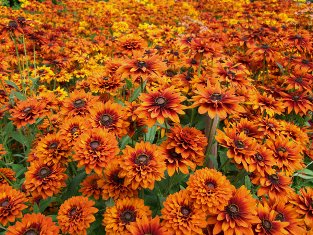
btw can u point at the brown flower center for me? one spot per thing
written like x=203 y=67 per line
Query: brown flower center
x=281 y=149
x=232 y=210
x=117 y=180
x=27 y=110
x=105 y=78
x=73 y=211
x=94 y=144
x=142 y=160
x=44 y=172
x=160 y=101
x=185 y=211
x=259 y=157
x=299 y=80
x=280 y=217
x=31 y=232
x=274 y=178
x=265 y=46
x=266 y=224
x=175 y=155
x=216 y=97
x=239 y=144
x=128 y=216
x=211 y=185
x=79 y=103
x=12 y=25
x=106 y=120
x=141 y=64
x=4 y=203
x=296 y=98
x=53 y=145
x=74 y=129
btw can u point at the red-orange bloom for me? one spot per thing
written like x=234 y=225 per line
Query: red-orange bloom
x=118 y=217
x=90 y=187
x=32 y=224
x=94 y=149
x=238 y=216
x=7 y=176
x=44 y=179
x=209 y=189
x=27 y=112
x=76 y=214
x=214 y=100
x=159 y=105
x=268 y=224
x=304 y=205
x=146 y=226
x=181 y=216
x=142 y=165
x=12 y=202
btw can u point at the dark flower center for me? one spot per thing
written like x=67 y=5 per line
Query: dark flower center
x=175 y=155
x=94 y=144
x=73 y=211
x=265 y=46
x=27 y=110
x=105 y=78
x=128 y=216
x=142 y=160
x=44 y=172
x=266 y=224
x=281 y=149
x=211 y=185
x=5 y=203
x=106 y=120
x=31 y=232
x=117 y=180
x=280 y=217
x=193 y=61
x=299 y=80
x=305 y=61
x=239 y=144
x=141 y=64
x=232 y=210
x=79 y=103
x=296 y=98
x=185 y=211
x=274 y=179
x=74 y=129
x=297 y=36
x=259 y=157
x=12 y=25
x=53 y=145
x=246 y=131
x=160 y=101
x=216 y=97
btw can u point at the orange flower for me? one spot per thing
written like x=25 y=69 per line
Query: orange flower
x=7 y=175
x=180 y=216
x=304 y=206
x=72 y=128
x=276 y=186
x=159 y=105
x=286 y=213
x=102 y=82
x=12 y=202
x=110 y=116
x=142 y=165
x=216 y=101
x=78 y=104
x=297 y=102
x=184 y=147
x=53 y=148
x=269 y=225
x=266 y=103
x=238 y=216
x=112 y=184
x=127 y=210
x=76 y=214
x=94 y=149
x=143 y=68
x=27 y=112
x=240 y=147
x=209 y=189
x=90 y=187
x=262 y=161
x=32 y=224
x=131 y=43
x=145 y=226
x=44 y=179
x=287 y=155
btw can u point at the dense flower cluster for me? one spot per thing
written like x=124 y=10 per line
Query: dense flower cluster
x=156 y=117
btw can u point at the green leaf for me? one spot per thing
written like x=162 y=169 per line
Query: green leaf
x=137 y=92
x=73 y=185
x=19 y=95
x=45 y=203
x=12 y=84
x=150 y=135
x=124 y=141
x=248 y=182
x=36 y=208
x=19 y=137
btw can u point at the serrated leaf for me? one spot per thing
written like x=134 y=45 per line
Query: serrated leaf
x=19 y=137
x=45 y=203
